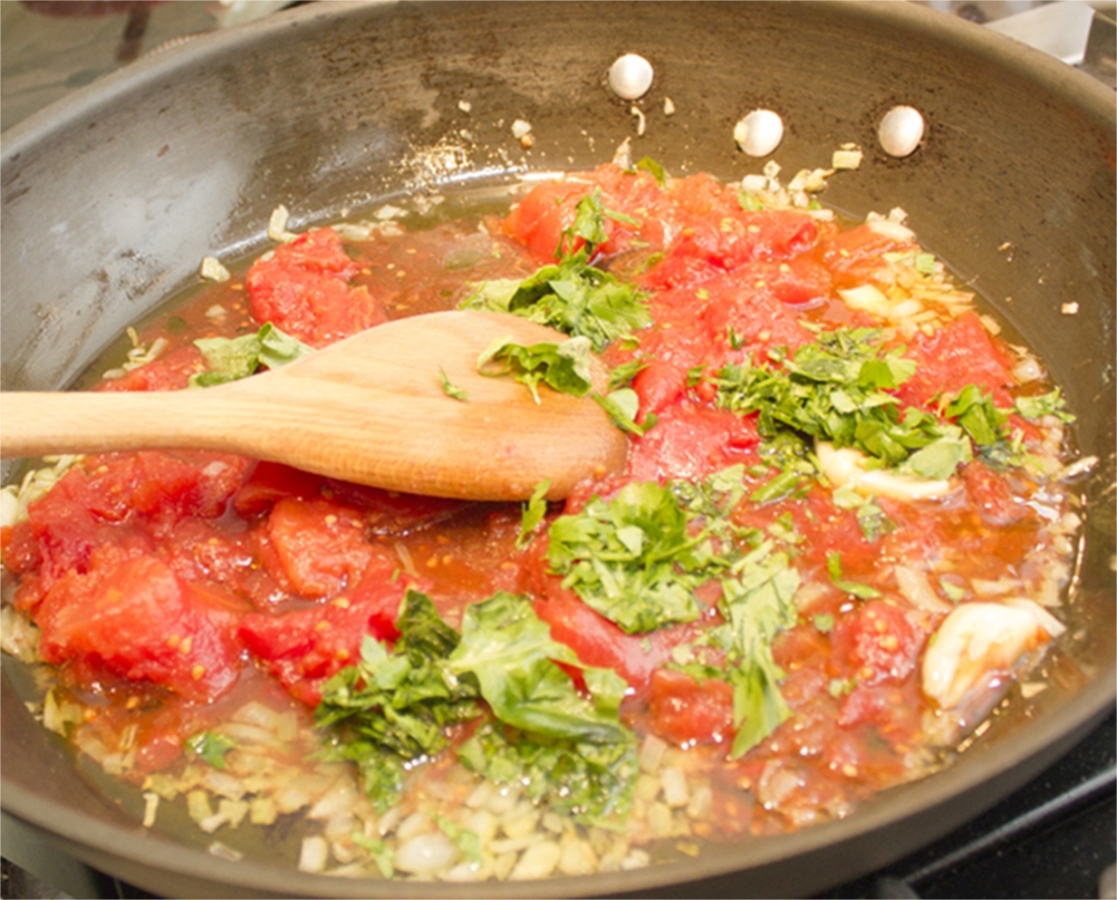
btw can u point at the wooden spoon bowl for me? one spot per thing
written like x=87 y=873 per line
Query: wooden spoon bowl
x=370 y=409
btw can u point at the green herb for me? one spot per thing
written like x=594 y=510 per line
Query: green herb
x=592 y=783
x=623 y=406
x=874 y=523
x=392 y=708
x=824 y=622
x=1040 y=405
x=780 y=486
x=954 y=592
x=657 y=171
x=563 y=367
x=381 y=853
x=749 y=201
x=533 y=513
x=509 y=650
x=633 y=559
x=450 y=389
x=837 y=390
x=757 y=603
x=622 y=375
x=974 y=411
x=230 y=359
x=211 y=747
x=572 y=296
x=925 y=263
x=468 y=842
x=987 y=426
x=834 y=566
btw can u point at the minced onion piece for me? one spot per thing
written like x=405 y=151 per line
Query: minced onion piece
x=277 y=226
x=212 y=269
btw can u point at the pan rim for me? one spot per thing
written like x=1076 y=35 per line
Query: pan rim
x=1093 y=701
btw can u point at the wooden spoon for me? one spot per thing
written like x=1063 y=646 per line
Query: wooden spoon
x=370 y=409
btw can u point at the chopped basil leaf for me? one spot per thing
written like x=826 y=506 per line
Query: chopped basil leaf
x=623 y=406
x=824 y=622
x=592 y=783
x=622 y=375
x=381 y=853
x=657 y=171
x=211 y=747
x=509 y=650
x=834 y=567
x=782 y=485
x=468 y=842
x=748 y=201
x=874 y=523
x=449 y=388
x=230 y=359
x=392 y=708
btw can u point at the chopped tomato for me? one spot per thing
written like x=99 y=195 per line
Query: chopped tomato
x=304 y=649
x=539 y=220
x=959 y=353
x=319 y=546
x=692 y=441
x=598 y=642
x=168 y=373
x=855 y=254
x=131 y=617
x=689 y=712
x=271 y=482
x=303 y=289
x=878 y=644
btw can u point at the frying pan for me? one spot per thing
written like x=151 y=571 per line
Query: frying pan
x=111 y=198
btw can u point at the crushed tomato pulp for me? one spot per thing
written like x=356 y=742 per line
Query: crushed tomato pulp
x=838 y=609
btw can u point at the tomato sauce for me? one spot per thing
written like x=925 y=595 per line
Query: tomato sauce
x=165 y=585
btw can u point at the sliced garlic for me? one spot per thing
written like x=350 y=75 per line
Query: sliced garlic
x=847 y=467
x=981 y=639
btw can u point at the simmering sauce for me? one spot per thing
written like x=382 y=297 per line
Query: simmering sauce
x=840 y=536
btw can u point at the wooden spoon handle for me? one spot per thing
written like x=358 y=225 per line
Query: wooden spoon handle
x=35 y=423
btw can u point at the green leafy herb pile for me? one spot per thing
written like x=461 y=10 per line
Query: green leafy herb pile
x=639 y=559
x=837 y=389
x=396 y=709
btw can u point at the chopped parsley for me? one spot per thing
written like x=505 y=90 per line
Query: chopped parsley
x=1040 y=405
x=572 y=296
x=633 y=559
x=563 y=367
x=533 y=513
x=837 y=389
